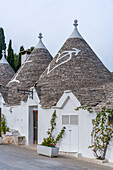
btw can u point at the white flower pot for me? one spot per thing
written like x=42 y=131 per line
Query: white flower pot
x=0 y=140
x=47 y=151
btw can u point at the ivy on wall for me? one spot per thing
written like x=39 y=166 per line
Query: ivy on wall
x=102 y=131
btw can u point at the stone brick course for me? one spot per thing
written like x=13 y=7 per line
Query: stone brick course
x=16 y=140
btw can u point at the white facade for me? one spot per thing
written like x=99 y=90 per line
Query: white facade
x=20 y=117
x=77 y=137
x=24 y=57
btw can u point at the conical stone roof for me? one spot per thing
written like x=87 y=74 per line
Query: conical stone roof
x=28 y=73
x=75 y=66
x=6 y=73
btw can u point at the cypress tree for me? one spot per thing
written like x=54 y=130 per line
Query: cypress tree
x=19 y=60
x=2 y=42
x=10 y=57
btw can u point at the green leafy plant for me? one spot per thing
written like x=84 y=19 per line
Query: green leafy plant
x=50 y=140
x=3 y=127
x=7 y=129
x=102 y=132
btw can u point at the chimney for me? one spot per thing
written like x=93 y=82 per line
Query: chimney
x=24 y=55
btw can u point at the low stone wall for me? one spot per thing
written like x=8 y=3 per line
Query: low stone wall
x=13 y=139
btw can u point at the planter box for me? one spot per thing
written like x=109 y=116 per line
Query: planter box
x=47 y=151
x=0 y=140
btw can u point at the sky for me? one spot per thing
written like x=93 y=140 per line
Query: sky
x=23 y=20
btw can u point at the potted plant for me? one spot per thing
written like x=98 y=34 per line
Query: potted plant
x=48 y=146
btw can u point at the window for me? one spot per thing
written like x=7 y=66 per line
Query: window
x=65 y=119
x=70 y=119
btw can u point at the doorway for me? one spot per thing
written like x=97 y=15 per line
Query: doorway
x=35 y=127
x=70 y=138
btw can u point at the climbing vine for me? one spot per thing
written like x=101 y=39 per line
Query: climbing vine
x=102 y=131
x=50 y=140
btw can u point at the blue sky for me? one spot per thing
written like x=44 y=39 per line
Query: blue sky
x=23 y=20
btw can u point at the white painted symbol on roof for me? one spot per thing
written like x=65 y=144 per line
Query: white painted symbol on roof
x=63 y=55
x=15 y=80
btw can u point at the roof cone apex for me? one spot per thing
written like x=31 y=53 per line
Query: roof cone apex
x=3 y=60
x=40 y=43
x=75 y=33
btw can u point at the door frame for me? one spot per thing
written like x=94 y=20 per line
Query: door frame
x=35 y=127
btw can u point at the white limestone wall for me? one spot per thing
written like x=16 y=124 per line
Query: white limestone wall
x=17 y=119
x=109 y=153
x=84 y=126
x=44 y=117
x=85 y=129
x=20 y=118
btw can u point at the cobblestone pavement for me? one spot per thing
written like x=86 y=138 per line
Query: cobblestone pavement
x=18 y=158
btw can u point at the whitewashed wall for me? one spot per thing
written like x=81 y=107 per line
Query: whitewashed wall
x=17 y=118
x=20 y=118
x=84 y=121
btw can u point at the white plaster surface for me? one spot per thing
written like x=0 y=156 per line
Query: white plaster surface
x=21 y=118
x=24 y=57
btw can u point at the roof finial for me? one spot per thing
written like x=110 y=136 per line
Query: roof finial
x=3 y=60
x=75 y=33
x=75 y=23
x=40 y=36
x=40 y=43
x=3 y=53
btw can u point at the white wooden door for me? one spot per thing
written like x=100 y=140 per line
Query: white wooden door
x=70 y=138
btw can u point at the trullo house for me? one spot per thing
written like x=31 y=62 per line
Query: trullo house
x=16 y=109
x=6 y=73
x=75 y=77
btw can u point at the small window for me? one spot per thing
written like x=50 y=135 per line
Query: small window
x=74 y=119
x=65 y=119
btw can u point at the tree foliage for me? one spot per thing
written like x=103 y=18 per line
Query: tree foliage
x=19 y=57
x=2 y=42
x=10 y=57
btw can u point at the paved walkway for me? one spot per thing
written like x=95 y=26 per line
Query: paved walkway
x=20 y=158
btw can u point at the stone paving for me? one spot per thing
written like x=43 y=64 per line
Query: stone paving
x=19 y=158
